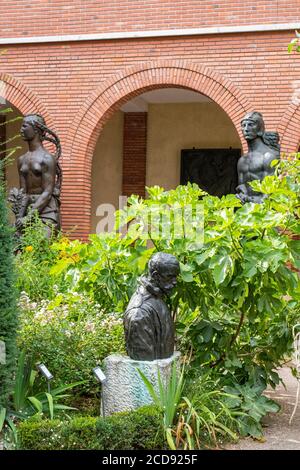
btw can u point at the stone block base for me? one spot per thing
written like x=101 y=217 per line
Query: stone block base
x=124 y=388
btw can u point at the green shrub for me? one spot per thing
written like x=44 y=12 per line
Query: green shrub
x=237 y=298
x=138 y=429
x=106 y=269
x=34 y=260
x=8 y=302
x=70 y=335
x=79 y=433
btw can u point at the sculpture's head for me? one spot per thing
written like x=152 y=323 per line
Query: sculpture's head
x=253 y=125
x=33 y=124
x=163 y=270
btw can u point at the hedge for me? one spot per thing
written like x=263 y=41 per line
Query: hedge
x=140 y=429
x=8 y=302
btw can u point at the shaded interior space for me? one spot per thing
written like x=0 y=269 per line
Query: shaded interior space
x=151 y=140
x=10 y=133
x=11 y=145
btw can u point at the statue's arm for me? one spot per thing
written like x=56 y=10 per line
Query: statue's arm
x=48 y=183
x=241 y=188
x=23 y=185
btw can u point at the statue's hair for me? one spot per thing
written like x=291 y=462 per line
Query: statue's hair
x=159 y=260
x=39 y=124
x=271 y=139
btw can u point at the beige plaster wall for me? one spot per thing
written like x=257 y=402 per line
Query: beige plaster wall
x=12 y=130
x=171 y=128
x=107 y=167
x=174 y=127
x=11 y=170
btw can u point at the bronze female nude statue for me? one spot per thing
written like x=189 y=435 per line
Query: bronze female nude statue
x=40 y=177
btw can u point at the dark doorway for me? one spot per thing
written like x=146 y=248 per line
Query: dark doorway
x=214 y=170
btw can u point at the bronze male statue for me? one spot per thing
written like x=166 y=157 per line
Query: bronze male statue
x=263 y=148
x=149 y=327
x=40 y=177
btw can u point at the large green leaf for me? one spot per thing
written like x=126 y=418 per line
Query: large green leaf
x=201 y=258
x=36 y=403
x=2 y=417
x=50 y=403
x=23 y=381
x=186 y=272
x=222 y=267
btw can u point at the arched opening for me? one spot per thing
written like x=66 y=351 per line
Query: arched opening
x=109 y=97
x=163 y=137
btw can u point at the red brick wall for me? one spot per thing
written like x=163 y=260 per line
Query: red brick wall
x=50 y=17
x=77 y=87
x=134 y=154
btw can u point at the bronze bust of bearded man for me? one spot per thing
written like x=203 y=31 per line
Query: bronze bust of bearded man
x=149 y=327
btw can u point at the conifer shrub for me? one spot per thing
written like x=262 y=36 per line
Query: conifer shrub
x=135 y=430
x=8 y=302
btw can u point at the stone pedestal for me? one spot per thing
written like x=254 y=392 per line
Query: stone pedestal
x=124 y=388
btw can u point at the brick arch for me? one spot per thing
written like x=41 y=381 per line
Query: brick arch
x=23 y=98
x=111 y=95
x=289 y=128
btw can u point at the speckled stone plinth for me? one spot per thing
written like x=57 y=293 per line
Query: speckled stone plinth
x=124 y=388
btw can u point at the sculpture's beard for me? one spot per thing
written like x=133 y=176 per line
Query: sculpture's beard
x=156 y=288
x=166 y=289
x=152 y=286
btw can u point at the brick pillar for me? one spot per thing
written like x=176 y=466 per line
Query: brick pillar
x=134 y=154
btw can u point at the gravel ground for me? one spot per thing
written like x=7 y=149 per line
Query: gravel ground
x=278 y=433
